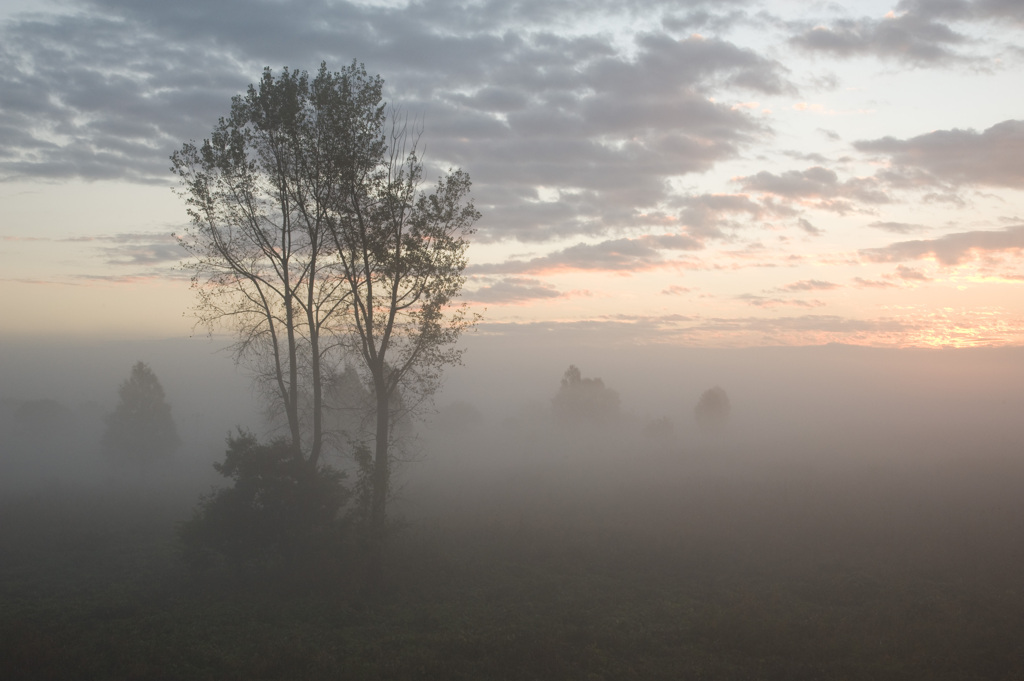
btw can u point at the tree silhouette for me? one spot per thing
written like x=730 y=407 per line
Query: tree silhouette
x=401 y=247
x=584 y=400
x=314 y=232
x=712 y=410
x=141 y=428
x=276 y=509
x=262 y=192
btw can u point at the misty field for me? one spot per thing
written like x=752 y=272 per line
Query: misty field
x=658 y=563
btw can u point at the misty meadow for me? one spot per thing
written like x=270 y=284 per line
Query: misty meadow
x=845 y=521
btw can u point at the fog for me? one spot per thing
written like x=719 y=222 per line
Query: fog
x=893 y=464
x=841 y=508
x=808 y=428
x=70 y=388
x=825 y=402
x=835 y=407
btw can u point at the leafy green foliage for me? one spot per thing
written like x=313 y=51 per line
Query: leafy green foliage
x=278 y=508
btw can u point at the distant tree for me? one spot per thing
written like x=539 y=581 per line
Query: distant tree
x=712 y=410
x=349 y=407
x=584 y=400
x=660 y=428
x=141 y=427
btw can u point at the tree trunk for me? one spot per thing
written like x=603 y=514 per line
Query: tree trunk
x=314 y=348
x=378 y=512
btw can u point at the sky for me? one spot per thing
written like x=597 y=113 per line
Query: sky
x=736 y=173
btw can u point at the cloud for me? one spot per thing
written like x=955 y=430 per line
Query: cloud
x=904 y=327
x=701 y=18
x=915 y=32
x=615 y=255
x=768 y=301
x=966 y=10
x=898 y=227
x=512 y=290
x=706 y=216
x=809 y=329
x=909 y=37
x=151 y=253
x=142 y=248
x=810 y=285
x=808 y=227
x=860 y=282
x=95 y=97
x=817 y=185
x=128 y=248
x=910 y=274
x=994 y=157
x=92 y=279
x=517 y=93
x=903 y=277
x=951 y=249
x=128 y=279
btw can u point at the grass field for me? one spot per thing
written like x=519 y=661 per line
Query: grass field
x=556 y=572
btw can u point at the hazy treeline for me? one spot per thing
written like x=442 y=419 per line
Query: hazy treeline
x=825 y=403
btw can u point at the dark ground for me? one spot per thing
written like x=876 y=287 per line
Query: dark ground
x=550 y=573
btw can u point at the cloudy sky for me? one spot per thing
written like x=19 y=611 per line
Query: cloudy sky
x=727 y=173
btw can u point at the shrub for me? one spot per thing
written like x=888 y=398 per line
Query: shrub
x=278 y=508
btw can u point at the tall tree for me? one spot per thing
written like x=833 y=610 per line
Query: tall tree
x=141 y=427
x=313 y=232
x=261 y=192
x=401 y=249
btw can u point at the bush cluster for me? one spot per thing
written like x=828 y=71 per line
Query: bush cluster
x=279 y=508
